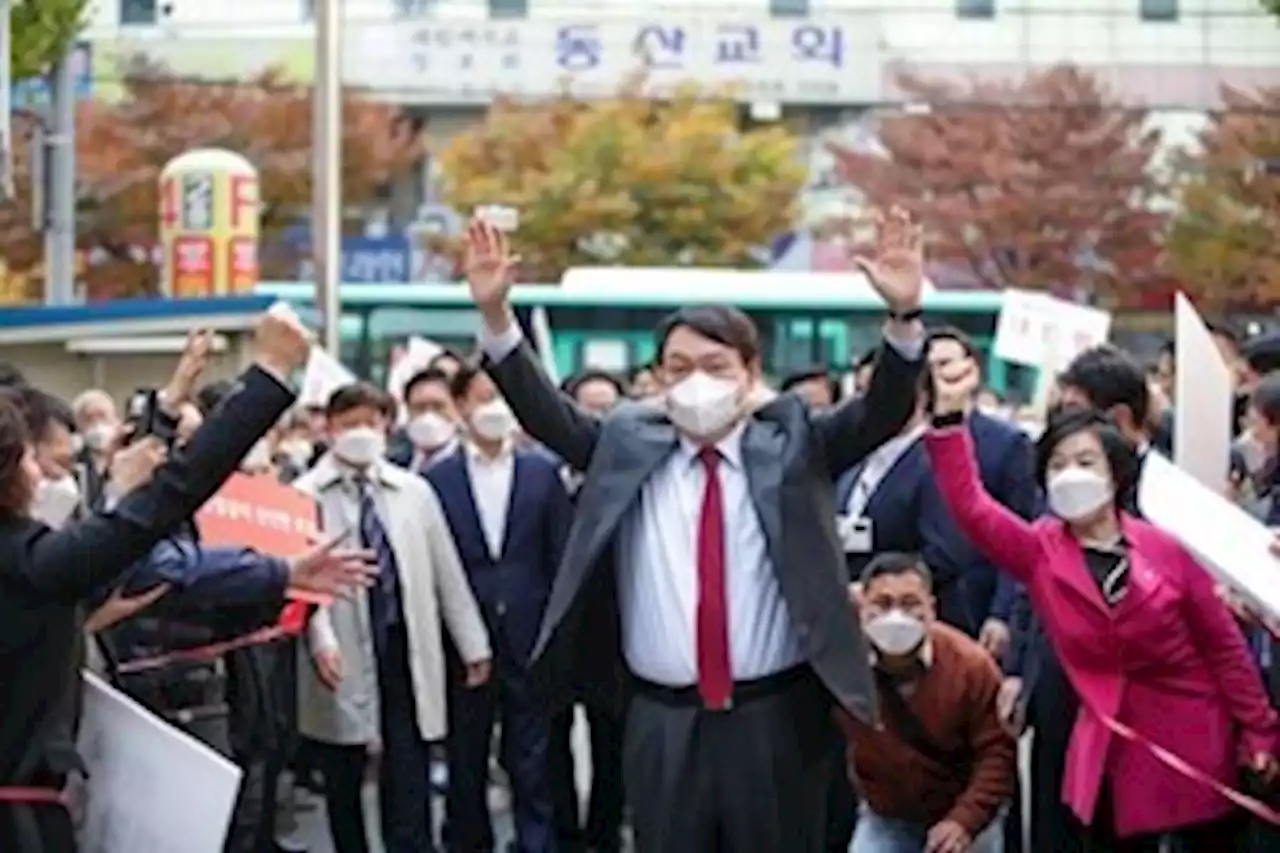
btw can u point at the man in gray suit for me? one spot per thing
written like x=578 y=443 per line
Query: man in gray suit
x=704 y=559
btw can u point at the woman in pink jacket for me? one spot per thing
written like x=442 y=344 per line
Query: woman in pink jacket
x=1136 y=624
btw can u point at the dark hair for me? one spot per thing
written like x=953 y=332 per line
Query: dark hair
x=356 y=395
x=809 y=374
x=10 y=376
x=39 y=410
x=1169 y=348
x=211 y=395
x=426 y=377
x=446 y=354
x=1263 y=352
x=867 y=359
x=1266 y=398
x=894 y=563
x=723 y=324
x=1066 y=421
x=15 y=494
x=951 y=333
x=573 y=384
x=460 y=384
x=1110 y=377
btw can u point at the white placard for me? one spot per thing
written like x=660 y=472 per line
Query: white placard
x=1229 y=542
x=604 y=354
x=324 y=374
x=1042 y=331
x=151 y=788
x=1203 y=397
x=418 y=354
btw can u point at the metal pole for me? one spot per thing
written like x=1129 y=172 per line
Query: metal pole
x=60 y=238
x=6 y=105
x=326 y=195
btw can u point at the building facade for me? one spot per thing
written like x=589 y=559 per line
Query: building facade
x=1173 y=54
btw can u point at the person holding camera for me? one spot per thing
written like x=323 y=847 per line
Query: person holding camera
x=48 y=575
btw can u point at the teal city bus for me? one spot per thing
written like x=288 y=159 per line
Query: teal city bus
x=604 y=318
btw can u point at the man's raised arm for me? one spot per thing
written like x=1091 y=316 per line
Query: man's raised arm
x=544 y=412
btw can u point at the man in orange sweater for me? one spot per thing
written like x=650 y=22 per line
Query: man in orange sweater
x=936 y=776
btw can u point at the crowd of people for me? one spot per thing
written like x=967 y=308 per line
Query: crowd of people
x=792 y=620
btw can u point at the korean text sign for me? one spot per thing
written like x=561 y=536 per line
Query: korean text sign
x=828 y=59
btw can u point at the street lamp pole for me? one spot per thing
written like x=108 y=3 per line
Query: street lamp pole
x=326 y=193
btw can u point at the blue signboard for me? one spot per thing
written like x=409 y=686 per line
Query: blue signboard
x=34 y=92
x=376 y=260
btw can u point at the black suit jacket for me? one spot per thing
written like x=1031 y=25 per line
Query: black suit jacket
x=792 y=457
x=45 y=575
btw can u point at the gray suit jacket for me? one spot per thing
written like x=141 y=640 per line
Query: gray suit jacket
x=792 y=457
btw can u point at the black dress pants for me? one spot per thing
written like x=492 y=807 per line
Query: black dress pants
x=753 y=779
x=404 y=791
x=601 y=830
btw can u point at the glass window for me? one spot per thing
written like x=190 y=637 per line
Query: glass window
x=508 y=8
x=1159 y=10
x=975 y=10
x=137 y=12
x=789 y=8
x=308 y=10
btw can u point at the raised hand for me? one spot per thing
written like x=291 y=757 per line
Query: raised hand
x=488 y=266
x=954 y=384
x=896 y=267
x=329 y=570
x=132 y=466
x=195 y=357
x=281 y=343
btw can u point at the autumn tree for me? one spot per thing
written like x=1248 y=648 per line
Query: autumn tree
x=122 y=147
x=42 y=30
x=1225 y=239
x=1041 y=183
x=628 y=180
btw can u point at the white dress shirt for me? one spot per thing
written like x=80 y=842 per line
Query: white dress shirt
x=658 y=563
x=423 y=460
x=491 y=482
x=876 y=468
x=658 y=577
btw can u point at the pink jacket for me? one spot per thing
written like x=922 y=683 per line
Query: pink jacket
x=1168 y=660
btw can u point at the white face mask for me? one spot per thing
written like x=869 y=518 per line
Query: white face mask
x=702 y=405
x=298 y=451
x=98 y=436
x=430 y=430
x=360 y=447
x=55 y=500
x=1075 y=493
x=493 y=421
x=258 y=457
x=895 y=632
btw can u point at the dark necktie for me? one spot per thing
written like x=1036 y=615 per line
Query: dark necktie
x=715 y=679
x=373 y=537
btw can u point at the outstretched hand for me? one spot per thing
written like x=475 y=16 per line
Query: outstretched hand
x=896 y=267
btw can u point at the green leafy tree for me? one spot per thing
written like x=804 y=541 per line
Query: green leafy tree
x=1272 y=6
x=42 y=30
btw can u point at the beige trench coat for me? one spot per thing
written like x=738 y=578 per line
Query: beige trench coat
x=433 y=587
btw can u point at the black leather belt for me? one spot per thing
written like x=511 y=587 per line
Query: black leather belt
x=743 y=691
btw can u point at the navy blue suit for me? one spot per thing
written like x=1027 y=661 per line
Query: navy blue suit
x=908 y=514
x=511 y=589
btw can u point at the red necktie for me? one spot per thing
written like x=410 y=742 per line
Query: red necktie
x=715 y=680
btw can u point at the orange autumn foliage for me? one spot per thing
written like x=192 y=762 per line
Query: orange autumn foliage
x=122 y=147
